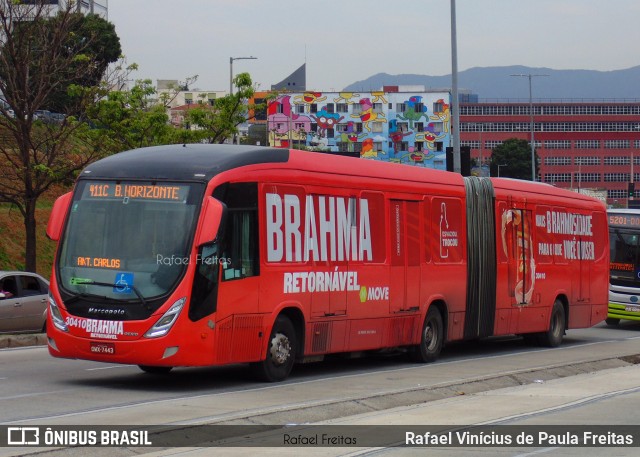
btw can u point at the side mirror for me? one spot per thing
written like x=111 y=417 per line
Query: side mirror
x=212 y=213
x=59 y=212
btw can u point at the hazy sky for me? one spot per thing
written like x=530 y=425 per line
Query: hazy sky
x=349 y=40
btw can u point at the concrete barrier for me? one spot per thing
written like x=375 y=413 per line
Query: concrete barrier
x=23 y=340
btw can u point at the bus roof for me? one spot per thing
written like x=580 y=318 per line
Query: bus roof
x=624 y=210
x=199 y=162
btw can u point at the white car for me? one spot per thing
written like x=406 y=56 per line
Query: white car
x=23 y=302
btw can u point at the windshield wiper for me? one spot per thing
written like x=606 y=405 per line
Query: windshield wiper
x=77 y=297
x=91 y=282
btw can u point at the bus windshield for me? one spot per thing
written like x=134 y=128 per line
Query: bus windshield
x=128 y=241
x=625 y=256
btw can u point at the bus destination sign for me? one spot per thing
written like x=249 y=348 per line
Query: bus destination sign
x=624 y=220
x=138 y=191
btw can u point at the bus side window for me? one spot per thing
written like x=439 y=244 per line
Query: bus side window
x=240 y=249
x=239 y=256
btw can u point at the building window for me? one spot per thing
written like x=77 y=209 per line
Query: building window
x=342 y=107
x=587 y=160
x=616 y=144
x=617 y=177
x=356 y=108
x=330 y=108
x=586 y=144
x=438 y=107
x=403 y=127
x=436 y=127
x=314 y=107
x=401 y=107
x=377 y=107
x=299 y=109
x=557 y=160
x=617 y=160
x=587 y=177
x=617 y=193
x=552 y=178
x=557 y=144
x=377 y=127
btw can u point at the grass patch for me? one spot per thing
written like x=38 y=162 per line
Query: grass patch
x=12 y=236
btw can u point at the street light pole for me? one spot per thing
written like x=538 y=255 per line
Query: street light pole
x=501 y=165
x=231 y=59
x=457 y=166
x=533 y=143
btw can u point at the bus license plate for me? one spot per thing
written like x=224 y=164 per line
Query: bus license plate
x=103 y=348
x=632 y=309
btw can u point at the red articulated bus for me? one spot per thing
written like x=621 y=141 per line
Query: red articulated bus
x=201 y=255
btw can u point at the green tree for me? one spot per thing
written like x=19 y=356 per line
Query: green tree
x=516 y=155
x=38 y=58
x=214 y=124
x=131 y=118
x=102 y=48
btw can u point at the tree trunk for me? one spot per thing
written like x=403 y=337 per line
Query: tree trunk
x=30 y=230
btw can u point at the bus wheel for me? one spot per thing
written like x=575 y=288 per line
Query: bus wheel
x=281 y=352
x=155 y=370
x=432 y=338
x=553 y=337
x=613 y=321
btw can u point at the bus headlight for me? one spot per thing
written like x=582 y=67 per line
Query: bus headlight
x=56 y=315
x=167 y=320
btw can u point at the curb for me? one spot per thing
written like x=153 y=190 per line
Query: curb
x=23 y=340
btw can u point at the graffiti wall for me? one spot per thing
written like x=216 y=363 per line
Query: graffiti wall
x=403 y=127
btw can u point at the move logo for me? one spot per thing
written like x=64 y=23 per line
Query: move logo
x=374 y=293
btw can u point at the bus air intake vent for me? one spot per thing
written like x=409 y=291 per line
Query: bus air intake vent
x=320 y=338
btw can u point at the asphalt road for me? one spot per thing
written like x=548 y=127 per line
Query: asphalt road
x=38 y=389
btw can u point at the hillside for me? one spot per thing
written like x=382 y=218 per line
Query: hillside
x=12 y=238
x=496 y=83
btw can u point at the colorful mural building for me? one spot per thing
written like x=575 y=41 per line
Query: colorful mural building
x=395 y=124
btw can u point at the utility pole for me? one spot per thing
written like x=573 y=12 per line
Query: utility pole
x=457 y=167
x=533 y=143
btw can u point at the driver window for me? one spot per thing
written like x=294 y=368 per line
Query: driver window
x=9 y=287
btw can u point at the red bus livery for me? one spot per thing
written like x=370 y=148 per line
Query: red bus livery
x=202 y=255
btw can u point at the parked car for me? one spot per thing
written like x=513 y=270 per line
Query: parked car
x=42 y=115
x=23 y=302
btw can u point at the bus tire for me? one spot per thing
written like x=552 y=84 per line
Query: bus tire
x=155 y=370
x=431 y=338
x=281 y=352
x=612 y=321
x=557 y=326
